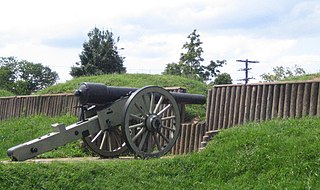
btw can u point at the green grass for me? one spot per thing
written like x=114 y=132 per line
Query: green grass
x=130 y=80
x=303 y=77
x=4 y=93
x=17 y=131
x=277 y=154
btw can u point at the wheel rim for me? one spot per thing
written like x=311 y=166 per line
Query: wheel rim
x=151 y=122
x=107 y=143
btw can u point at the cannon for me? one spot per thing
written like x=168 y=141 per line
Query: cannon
x=115 y=120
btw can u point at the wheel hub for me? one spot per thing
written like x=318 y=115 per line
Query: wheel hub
x=153 y=123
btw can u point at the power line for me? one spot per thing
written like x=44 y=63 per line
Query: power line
x=246 y=69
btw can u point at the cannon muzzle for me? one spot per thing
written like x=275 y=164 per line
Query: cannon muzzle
x=97 y=93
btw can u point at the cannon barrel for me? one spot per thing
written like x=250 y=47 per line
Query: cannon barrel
x=97 y=93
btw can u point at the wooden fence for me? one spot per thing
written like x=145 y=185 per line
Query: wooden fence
x=50 y=105
x=230 y=105
x=190 y=138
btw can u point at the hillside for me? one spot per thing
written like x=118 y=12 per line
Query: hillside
x=130 y=80
x=315 y=76
x=4 y=93
x=277 y=154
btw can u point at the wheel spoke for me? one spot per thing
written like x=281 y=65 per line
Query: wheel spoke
x=146 y=103
x=116 y=136
x=140 y=110
x=136 y=117
x=169 y=128
x=109 y=142
x=151 y=103
x=149 y=144
x=97 y=135
x=136 y=125
x=158 y=104
x=156 y=140
x=143 y=140
x=138 y=134
x=164 y=109
x=103 y=139
x=168 y=118
x=164 y=137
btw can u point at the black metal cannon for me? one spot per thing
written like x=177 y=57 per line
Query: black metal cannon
x=115 y=119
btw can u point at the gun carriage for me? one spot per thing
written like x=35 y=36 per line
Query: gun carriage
x=113 y=120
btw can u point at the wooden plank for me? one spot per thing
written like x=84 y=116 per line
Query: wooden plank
x=2 y=105
x=208 y=111
x=314 y=98
x=287 y=100
x=221 y=110
x=258 y=103
x=198 y=139
x=231 y=107
x=192 y=138
x=299 y=102
x=226 y=108
x=275 y=101
x=293 y=100
x=181 y=140
x=306 y=99
x=318 y=104
x=237 y=106
x=242 y=104
x=186 y=139
x=253 y=103
x=247 y=104
x=269 y=102
x=216 y=111
x=264 y=102
x=281 y=101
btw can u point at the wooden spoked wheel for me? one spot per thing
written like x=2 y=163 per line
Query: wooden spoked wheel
x=106 y=143
x=151 y=122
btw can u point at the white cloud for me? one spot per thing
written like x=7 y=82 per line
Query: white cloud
x=153 y=32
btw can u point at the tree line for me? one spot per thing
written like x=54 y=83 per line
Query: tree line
x=100 y=55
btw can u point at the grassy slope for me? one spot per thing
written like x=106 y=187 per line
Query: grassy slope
x=276 y=154
x=130 y=80
x=17 y=131
x=4 y=93
x=304 y=77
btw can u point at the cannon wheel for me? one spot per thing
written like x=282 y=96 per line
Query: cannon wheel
x=106 y=143
x=151 y=122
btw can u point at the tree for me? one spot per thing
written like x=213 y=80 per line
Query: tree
x=223 y=78
x=190 y=62
x=280 y=73
x=99 y=55
x=24 y=77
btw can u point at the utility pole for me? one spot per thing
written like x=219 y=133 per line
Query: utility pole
x=246 y=69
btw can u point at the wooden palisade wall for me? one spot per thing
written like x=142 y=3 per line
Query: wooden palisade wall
x=230 y=105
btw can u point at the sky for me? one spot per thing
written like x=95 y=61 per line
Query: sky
x=152 y=32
